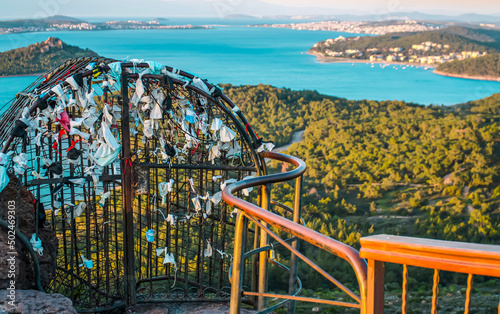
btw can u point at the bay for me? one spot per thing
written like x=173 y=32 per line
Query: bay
x=248 y=55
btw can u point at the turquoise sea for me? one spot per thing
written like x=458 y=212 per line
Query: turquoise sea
x=248 y=55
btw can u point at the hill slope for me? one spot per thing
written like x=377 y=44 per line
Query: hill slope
x=479 y=34
x=486 y=66
x=368 y=159
x=389 y=167
x=43 y=22
x=39 y=57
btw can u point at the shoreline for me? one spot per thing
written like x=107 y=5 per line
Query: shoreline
x=111 y=29
x=20 y=75
x=322 y=59
x=468 y=77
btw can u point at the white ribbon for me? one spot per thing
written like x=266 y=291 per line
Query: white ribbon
x=104 y=197
x=75 y=131
x=208 y=251
x=226 y=134
x=226 y=183
x=21 y=163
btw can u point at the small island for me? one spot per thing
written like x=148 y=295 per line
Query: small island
x=39 y=57
x=433 y=49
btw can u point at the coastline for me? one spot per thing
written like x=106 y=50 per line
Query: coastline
x=19 y=75
x=322 y=59
x=181 y=27
x=468 y=77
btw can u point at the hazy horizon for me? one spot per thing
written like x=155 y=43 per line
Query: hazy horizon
x=258 y=8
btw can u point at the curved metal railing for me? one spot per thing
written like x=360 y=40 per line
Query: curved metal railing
x=261 y=217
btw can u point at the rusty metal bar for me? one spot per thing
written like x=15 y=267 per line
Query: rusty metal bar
x=293 y=258
x=238 y=262
x=305 y=299
x=264 y=241
x=288 y=209
x=375 y=299
x=305 y=259
x=127 y=196
x=197 y=167
x=103 y=178
x=321 y=241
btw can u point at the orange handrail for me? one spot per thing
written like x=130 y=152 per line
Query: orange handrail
x=313 y=237
x=458 y=257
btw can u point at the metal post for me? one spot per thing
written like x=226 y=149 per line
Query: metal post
x=238 y=262
x=375 y=290
x=295 y=244
x=255 y=258
x=127 y=196
x=264 y=240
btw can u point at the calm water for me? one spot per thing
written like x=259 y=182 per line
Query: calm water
x=247 y=55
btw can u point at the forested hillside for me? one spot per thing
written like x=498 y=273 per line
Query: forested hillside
x=385 y=167
x=368 y=157
x=458 y=39
x=486 y=66
x=39 y=57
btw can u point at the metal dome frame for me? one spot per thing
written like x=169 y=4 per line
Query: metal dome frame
x=116 y=238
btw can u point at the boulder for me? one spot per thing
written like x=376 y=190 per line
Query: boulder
x=34 y=302
x=24 y=270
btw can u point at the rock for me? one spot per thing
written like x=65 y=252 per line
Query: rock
x=184 y=308
x=24 y=270
x=34 y=302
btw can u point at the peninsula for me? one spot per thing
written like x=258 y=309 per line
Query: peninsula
x=434 y=48
x=39 y=57
x=482 y=68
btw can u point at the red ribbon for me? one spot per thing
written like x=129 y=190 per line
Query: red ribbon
x=246 y=129
x=73 y=143
x=128 y=161
x=54 y=145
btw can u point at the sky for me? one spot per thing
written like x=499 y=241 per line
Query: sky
x=11 y=9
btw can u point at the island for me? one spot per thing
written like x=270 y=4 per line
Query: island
x=66 y=23
x=428 y=48
x=39 y=57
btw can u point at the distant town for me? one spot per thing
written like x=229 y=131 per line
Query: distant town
x=429 y=53
x=24 y=26
x=374 y=28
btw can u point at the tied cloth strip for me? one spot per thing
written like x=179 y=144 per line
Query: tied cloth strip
x=56 y=143
x=246 y=129
x=127 y=160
